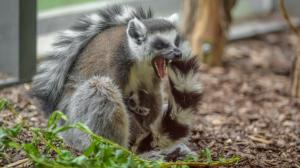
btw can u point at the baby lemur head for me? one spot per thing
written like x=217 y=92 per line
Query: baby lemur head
x=156 y=40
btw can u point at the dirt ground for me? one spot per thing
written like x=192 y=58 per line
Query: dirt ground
x=246 y=109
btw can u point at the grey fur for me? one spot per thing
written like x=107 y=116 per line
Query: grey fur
x=49 y=82
x=155 y=25
x=103 y=101
x=101 y=63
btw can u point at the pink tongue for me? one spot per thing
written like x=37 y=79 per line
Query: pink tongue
x=160 y=65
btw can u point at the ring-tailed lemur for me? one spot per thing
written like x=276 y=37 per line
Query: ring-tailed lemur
x=107 y=72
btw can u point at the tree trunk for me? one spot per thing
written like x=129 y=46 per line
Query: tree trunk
x=295 y=83
x=295 y=90
x=205 y=26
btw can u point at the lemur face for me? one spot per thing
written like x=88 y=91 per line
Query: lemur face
x=156 y=40
x=164 y=47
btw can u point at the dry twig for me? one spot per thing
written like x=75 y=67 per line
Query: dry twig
x=18 y=163
x=287 y=18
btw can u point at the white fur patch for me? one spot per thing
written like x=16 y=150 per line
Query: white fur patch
x=185 y=82
x=50 y=64
x=183 y=116
x=185 y=50
x=95 y=18
x=126 y=13
x=137 y=51
x=174 y=18
x=71 y=33
x=61 y=49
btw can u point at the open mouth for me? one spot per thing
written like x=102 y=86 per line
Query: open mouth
x=159 y=65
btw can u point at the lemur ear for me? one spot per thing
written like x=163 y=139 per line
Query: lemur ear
x=174 y=18
x=136 y=29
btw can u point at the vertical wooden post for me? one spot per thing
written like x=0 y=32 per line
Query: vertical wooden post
x=295 y=82
x=205 y=25
x=295 y=87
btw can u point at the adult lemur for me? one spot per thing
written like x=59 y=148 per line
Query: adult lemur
x=107 y=72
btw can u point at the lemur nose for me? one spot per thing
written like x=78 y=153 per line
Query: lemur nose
x=177 y=53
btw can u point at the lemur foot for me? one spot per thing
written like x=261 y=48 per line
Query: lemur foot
x=178 y=152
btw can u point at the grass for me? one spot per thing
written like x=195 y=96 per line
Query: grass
x=50 y=4
x=46 y=149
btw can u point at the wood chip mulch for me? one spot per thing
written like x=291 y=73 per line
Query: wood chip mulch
x=246 y=109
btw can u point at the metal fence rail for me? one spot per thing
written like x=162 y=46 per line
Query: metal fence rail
x=18 y=40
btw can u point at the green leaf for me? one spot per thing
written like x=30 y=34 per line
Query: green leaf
x=222 y=159
x=7 y=136
x=62 y=128
x=90 y=150
x=13 y=144
x=15 y=130
x=31 y=150
x=80 y=160
x=84 y=128
x=190 y=158
x=207 y=153
x=3 y=104
x=55 y=118
x=3 y=133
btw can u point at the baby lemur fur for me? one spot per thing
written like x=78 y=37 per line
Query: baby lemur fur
x=107 y=71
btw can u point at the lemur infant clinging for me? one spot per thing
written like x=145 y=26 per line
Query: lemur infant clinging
x=107 y=72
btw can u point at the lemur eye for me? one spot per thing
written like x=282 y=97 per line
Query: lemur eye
x=177 y=41
x=141 y=39
x=160 y=44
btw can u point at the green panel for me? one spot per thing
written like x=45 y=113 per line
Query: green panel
x=27 y=57
x=48 y=4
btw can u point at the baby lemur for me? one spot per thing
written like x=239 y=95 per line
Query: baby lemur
x=107 y=71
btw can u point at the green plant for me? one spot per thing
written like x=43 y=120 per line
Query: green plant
x=47 y=149
x=8 y=137
x=50 y=4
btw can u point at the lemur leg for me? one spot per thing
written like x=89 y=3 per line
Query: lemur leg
x=98 y=103
x=174 y=125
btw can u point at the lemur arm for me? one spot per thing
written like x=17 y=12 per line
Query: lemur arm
x=174 y=124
